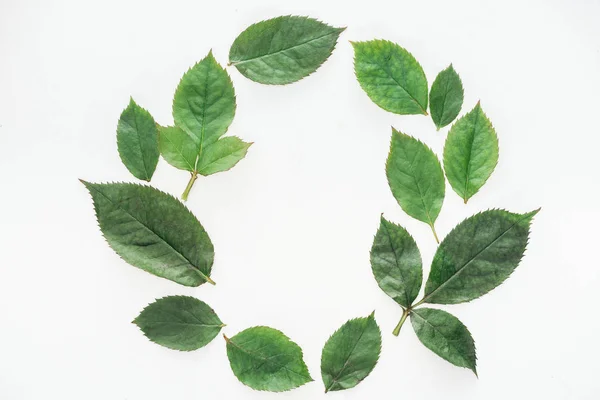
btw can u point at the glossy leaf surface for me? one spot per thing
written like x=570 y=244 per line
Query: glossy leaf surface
x=396 y=263
x=477 y=256
x=446 y=97
x=350 y=354
x=153 y=231
x=470 y=153
x=179 y=323
x=391 y=77
x=137 y=141
x=263 y=358
x=283 y=50
x=446 y=336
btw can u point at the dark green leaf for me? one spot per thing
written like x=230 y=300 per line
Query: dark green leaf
x=446 y=97
x=178 y=148
x=265 y=359
x=350 y=354
x=283 y=50
x=137 y=140
x=396 y=263
x=222 y=155
x=416 y=178
x=391 y=77
x=446 y=336
x=478 y=255
x=179 y=323
x=470 y=153
x=153 y=231
x=204 y=102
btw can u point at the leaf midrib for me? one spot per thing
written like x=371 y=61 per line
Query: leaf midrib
x=335 y=380
x=397 y=266
x=282 y=50
x=466 y=195
x=457 y=272
x=190 y=264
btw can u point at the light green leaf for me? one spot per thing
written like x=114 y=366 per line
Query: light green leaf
x=179 y=323
x=350 y=354
x=222 y=155
x=263 y=358
x=470 y=153
x=137 y=141
x=396 y=263
x=178 y=148
x=204 y=102
x=446 y=97
x=416 y=178
x=477 y=256
x=446 y=336
x=153 y=231
x=391 y=77
x=283 y=50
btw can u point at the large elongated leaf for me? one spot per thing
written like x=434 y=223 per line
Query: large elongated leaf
x=470 y=153
x=478 y=255
x=391 y=77
x=446 y=97
x=179 y=322
x=350 y=354
x=265 y=359
x=416 y=178
x=137 y=141
x=153 y=231
x=446 y=336
x=222 y=155
x=396 y=263
x=204 y=102
x=283 y=50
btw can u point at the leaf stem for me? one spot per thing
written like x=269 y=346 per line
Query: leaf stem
x=186 y=192
x=405 y=314
x=435 y=233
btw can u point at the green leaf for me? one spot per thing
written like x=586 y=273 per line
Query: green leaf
x=396 y=263
x=470 y=153
x=391 y=77
x=446 y=97
x=137 y=141
x=446 y=336
x=179 y=323
x=350 y=354
x=283 y=50
x=153 y=231
x=478 y=255
x=416 y=178
x=178 y=148
x=263 y=358
x=222 y=155
x=204 y=102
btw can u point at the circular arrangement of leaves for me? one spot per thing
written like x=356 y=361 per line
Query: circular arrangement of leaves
x=155 y=231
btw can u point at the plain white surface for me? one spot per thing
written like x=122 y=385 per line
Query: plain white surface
x=293 y=223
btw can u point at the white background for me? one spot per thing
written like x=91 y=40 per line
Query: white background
x=293 y=223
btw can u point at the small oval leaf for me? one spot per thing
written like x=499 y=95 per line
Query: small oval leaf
x=350 y=354
x=470 y=153
x=477 y=256
x=178 y=148
x=396 y=263
x=137 y=141
x=153 y=231
x=263 y=358
x=416 y=178
x=222 y=155
x=391 y=77
x=204 y=102
x=446 y=336
x=446 y=97
x=283 y=50
x=179 y=323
